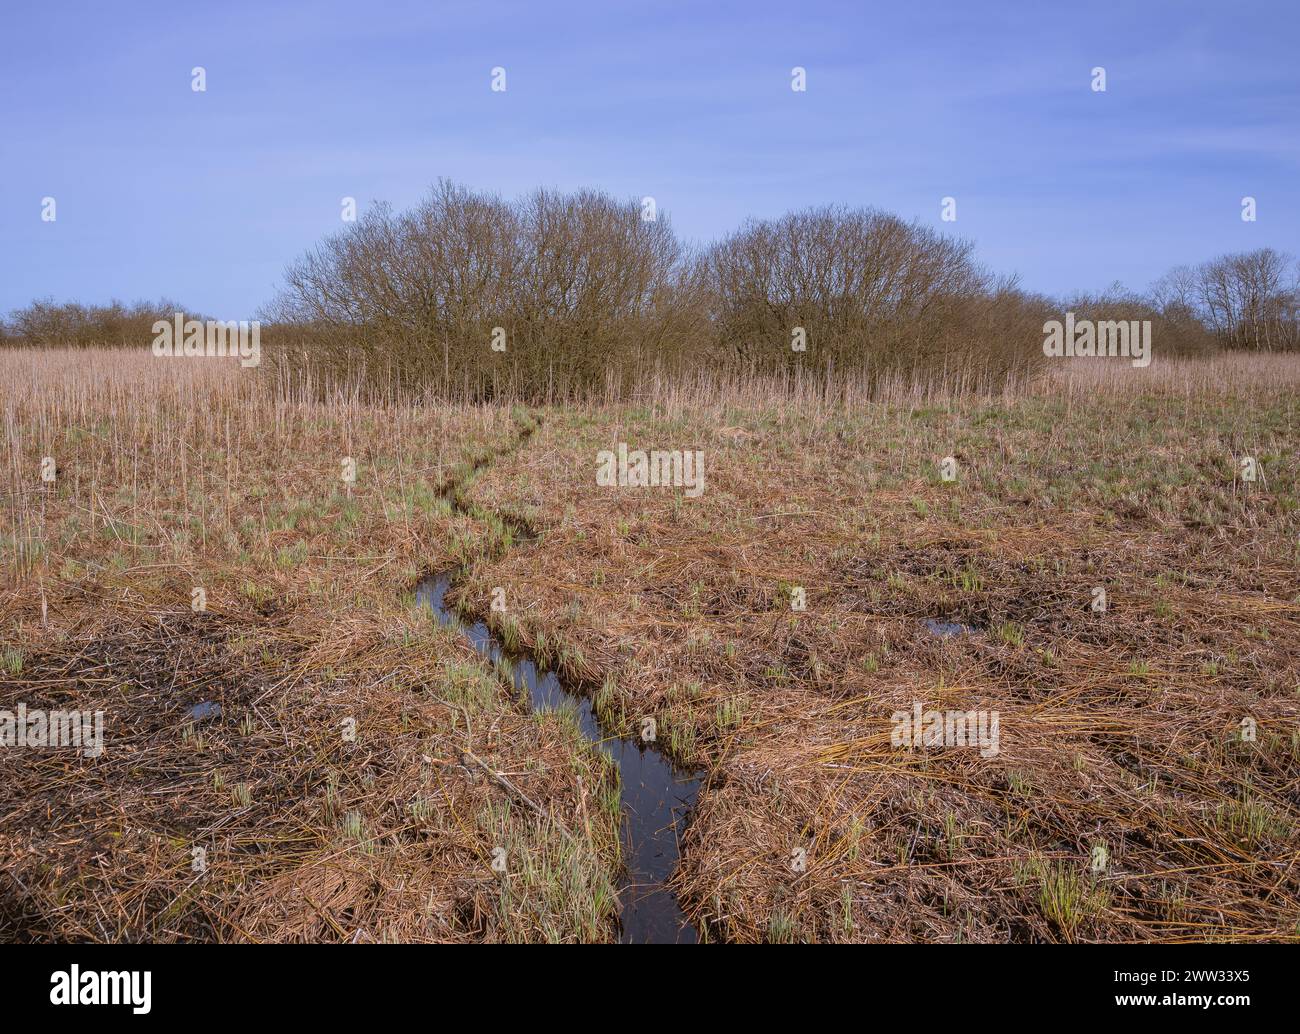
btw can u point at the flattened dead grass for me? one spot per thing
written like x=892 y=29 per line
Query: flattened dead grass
x=1127 y=801
x=331 y=783
x=258 y=795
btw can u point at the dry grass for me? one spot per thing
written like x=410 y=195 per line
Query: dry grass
x=180 y=474
x=1124 y=803
x=1121 y=732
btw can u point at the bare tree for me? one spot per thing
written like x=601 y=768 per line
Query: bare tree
x=869 y=292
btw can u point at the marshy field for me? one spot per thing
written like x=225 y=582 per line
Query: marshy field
x=303 y=742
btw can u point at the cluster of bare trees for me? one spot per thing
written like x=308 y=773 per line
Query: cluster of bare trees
x=860 y=290
x=566 y=292
x=556 y=294
x=478 y=295
x=48 y=323
x=1249 y=300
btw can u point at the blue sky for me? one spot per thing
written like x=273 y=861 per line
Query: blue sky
x=204 y=197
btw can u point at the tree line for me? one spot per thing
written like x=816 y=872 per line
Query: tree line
x=472 y=295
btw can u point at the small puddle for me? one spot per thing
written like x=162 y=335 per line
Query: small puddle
x=944 y=629
x=657 y=796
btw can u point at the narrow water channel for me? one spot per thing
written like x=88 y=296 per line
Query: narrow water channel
x=657 y=796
